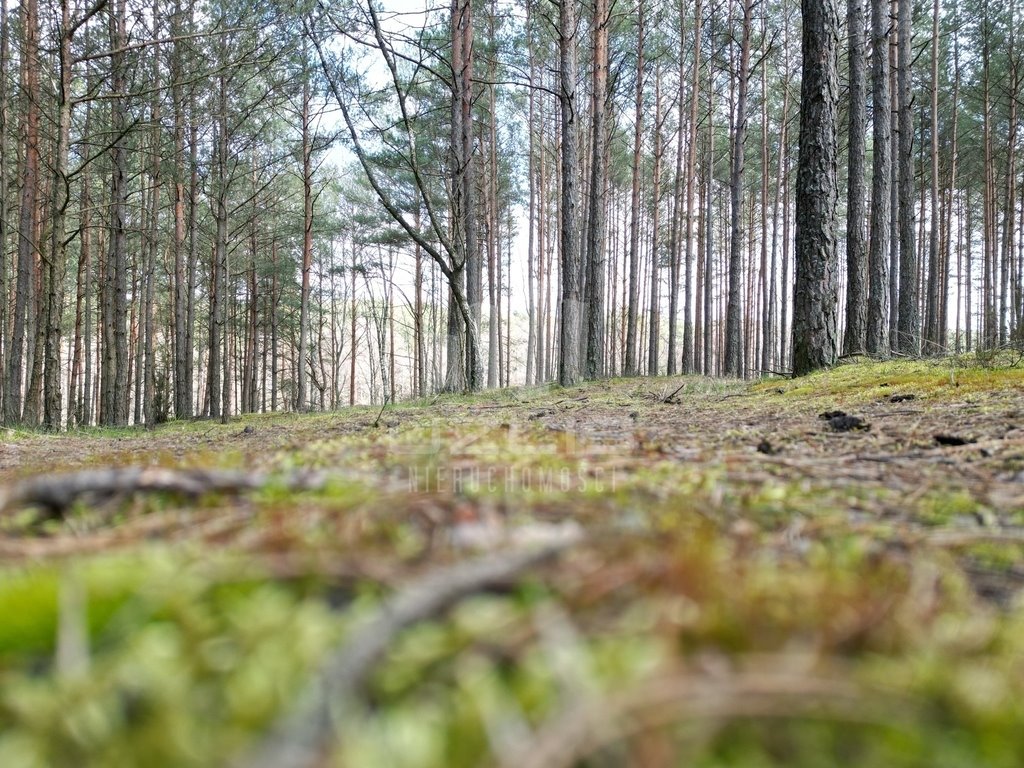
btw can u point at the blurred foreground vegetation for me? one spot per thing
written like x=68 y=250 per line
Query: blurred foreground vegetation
x=739 y=586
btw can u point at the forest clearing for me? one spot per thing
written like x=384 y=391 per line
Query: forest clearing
x=635 y=572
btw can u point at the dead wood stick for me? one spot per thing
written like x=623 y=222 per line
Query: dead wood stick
x=302 y=737
x=56 y=493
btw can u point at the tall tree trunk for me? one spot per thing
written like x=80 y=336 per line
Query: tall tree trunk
x=881 y=182
x=494 y=358
x=767 y=282
x=474 y=259
x=56 y=257
x=78 y=403
x=544 y=305
x=218 y=268
x=465 y=365
x=785 y=350
x=936 y=282
x=27 y=246
x=569 y=330
x=594 y=286
x=654 y=335
x=148 y=320
x=531 y=260
x=909 y=324
x=352 y=343
x=691 y=181
x=114 y=365
x=857 y=291
x=815 y=295
x=1007 y=276
x=5 y=35
x=675 y=236
x=632 y=312
x=734 y=318
x=709 y=247
x=182 y=375
x=894 y=187
x=307 y=245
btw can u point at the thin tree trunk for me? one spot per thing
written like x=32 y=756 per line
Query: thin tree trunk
x=654 y=335
x=675 y=235
x=689 y=309
x=114 y=385
x=569 y=370
x=56 y=257
x=307 y=245
x=594 y=286
x=734 y=313
x=857 y=292
x=632 y=313
x=531 y=317
x=881 y=183
x=27 y=246
x=909 y=325
x=894 y=188
x=936 y=282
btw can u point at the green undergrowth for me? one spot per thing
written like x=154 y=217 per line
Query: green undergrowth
x=940 y=379
x=748 y=588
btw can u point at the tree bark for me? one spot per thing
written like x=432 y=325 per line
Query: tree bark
x=908 y=335
x=881 y=182
x=815 y=293
x=114 y=365
x=307 y=245
x=27 y=246
x=654 y=335
x=569 y=329
x=733 y=318
x=934 y=335
x=594 y=290
x=857 y=291
x=632 y=311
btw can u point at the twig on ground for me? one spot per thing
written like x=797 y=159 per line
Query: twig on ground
x=376 y=422
x=55 y=494
x=678 y=389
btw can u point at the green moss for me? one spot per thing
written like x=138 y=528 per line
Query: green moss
x=946 y=506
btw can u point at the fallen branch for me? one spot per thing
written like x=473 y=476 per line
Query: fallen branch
x=670 y=398
x=55 y=494
x=302 y=737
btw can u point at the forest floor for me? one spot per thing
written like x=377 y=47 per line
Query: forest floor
x=649 y=572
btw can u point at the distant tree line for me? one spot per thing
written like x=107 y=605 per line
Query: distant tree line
x=217 y=208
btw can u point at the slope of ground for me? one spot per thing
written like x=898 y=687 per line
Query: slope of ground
x=822 y=572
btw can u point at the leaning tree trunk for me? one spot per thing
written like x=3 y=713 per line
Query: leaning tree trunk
x=815 y=294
